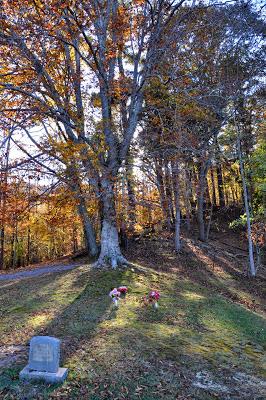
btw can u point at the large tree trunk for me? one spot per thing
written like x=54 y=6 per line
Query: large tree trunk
x=187 y=196
x=200 y=216
x=175 y=171
x=245 y=194
x=200 y=199
x=88 y=230
x=110 y=248
x=87 y=227
x=131 y=199
x=168 y=192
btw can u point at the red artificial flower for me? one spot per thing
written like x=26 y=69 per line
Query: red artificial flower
x=122 y=289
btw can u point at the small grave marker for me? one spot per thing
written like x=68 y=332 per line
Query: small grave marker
x=44 y=361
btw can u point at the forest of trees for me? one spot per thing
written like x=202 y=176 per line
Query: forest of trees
x=128 y=118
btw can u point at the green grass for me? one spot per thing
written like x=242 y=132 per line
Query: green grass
x=132 y=352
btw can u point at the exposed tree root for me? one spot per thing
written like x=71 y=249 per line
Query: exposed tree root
x=113 y=262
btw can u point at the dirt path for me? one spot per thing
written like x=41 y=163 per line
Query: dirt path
x=38 y=271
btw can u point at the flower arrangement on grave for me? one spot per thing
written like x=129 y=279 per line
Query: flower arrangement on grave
x=114 y=294
x=154 y=296
x=123 y=290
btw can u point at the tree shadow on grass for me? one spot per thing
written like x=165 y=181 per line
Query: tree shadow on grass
x=220 y=275
x=192 y=332
x=216 y=271
x=135 y=352
x=156 y=354
x=23 y=300
x=78 y=311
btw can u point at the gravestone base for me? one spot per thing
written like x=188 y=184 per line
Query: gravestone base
x=28 y=374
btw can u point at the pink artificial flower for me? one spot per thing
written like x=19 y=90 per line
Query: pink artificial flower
x=154 y=295
x=114 y=294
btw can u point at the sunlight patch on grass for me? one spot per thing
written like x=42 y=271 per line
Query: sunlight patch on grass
x=38 y=320
x=193 y=296
x=24 y=301
x=232 y=318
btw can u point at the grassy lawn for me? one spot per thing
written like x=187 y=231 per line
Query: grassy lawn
x=197 y=337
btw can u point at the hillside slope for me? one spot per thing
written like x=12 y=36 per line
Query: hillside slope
x=206 y=340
